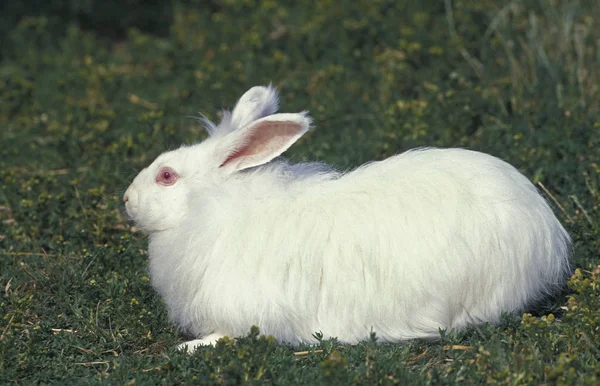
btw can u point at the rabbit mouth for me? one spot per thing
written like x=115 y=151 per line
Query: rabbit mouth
x=131 y=211
x=131 y=200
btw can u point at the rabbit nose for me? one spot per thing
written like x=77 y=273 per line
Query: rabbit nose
x=127 y=195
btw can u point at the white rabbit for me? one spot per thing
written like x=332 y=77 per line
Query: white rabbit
x=428 y=239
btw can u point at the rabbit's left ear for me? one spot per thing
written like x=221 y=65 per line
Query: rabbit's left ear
x=258 y=102
x=261 y=141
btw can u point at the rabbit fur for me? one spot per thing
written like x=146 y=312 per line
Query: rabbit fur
x=425 y=240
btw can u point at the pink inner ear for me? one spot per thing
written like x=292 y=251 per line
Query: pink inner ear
x=265 y=138
x=236 y=154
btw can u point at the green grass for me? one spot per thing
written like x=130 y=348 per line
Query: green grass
x=88 y=97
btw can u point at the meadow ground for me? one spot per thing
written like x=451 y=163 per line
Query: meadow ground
x=92 y=91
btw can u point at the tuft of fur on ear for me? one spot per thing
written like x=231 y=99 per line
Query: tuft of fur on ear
x=208 y=125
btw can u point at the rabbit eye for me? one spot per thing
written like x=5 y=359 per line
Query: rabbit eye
x=166 y=176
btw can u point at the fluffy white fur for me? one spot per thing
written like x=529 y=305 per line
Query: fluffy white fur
x=428 y=239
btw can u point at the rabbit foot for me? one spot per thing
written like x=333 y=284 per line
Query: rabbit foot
x=192 y=345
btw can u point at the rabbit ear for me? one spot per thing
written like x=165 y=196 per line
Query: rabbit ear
x=258 y=102
x=261 y=141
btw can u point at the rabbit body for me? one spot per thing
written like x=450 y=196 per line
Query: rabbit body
x=428 y=239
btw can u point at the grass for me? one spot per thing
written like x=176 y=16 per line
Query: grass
x=87 y=98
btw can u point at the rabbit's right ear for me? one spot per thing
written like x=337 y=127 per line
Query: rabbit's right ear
x=261 y=141
x=258 y=102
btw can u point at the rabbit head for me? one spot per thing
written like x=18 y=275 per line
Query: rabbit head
x=250 y=136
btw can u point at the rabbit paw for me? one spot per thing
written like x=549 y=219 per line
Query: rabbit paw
x=192 y=345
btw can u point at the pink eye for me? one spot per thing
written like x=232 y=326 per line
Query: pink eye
x=166 y=176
